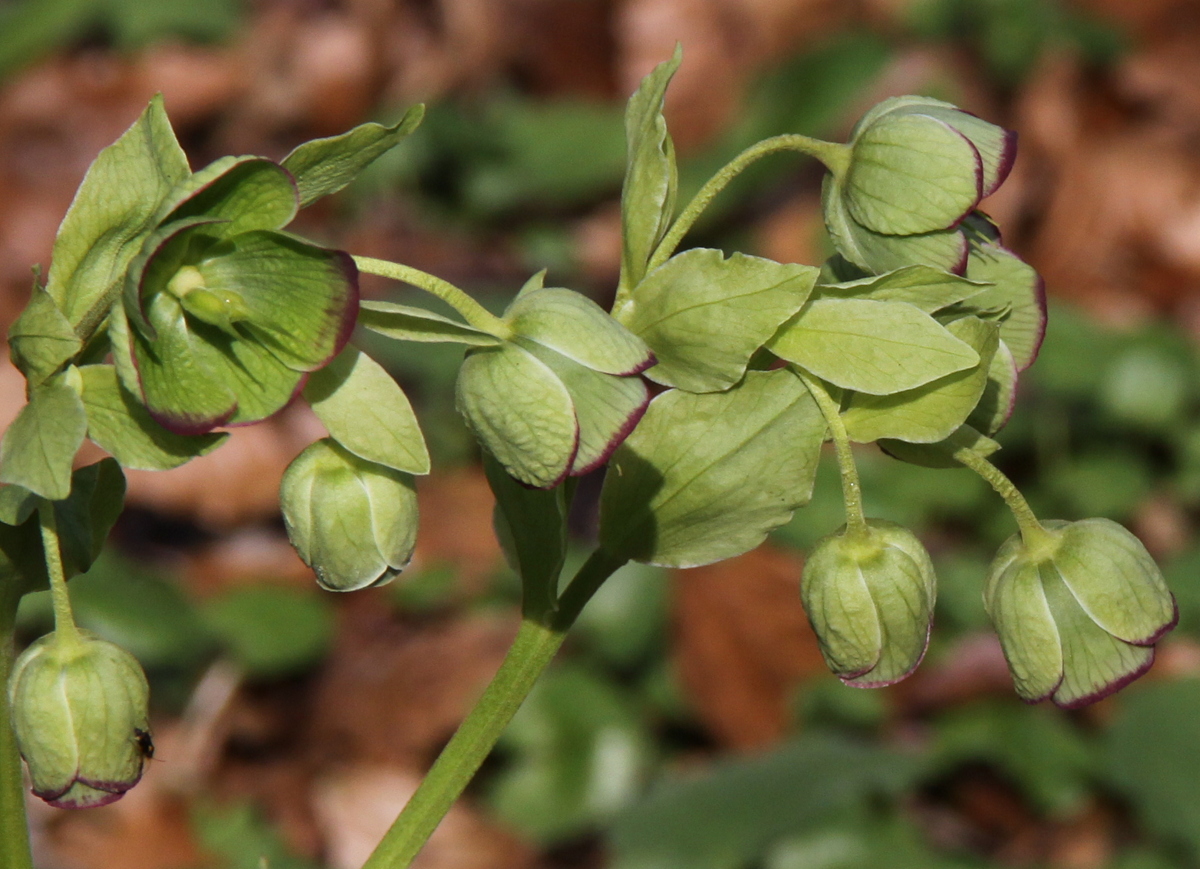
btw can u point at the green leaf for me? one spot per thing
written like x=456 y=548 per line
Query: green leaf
x=705 y=316
x=405 y=323
x=41 y=339
x=520 y=411
x=574 y=326
x=16 y=504
x=930 y=412
x=367 y=412
x=648 y=195
x=325 y=166
x=927 y=288
x=607 y=407
x=876 y=253
x=871 y=346
x=89 y=513
x=911 y=173
x=707 y=477
x=531 y=525
x=40 y=444
x=240 y=193
x=271 y=631
x=119 y=423
x=938 y=455
x=113 y=210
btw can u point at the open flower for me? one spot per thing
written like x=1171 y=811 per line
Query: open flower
x=869 y=594
x=1078 y=612
x=79 y=711
x=223 y=314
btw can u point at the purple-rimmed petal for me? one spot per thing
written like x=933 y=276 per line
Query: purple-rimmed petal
x=574 y=326
x=247 y=193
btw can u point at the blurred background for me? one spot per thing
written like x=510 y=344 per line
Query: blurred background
x=689 y=722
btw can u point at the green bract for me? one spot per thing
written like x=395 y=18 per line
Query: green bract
x=1079 y=611
x=354 y=522
x=79 y=710
x=869 y=593
x=560 y=393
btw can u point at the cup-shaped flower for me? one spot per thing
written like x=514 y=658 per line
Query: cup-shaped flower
x=917 y=167
x=1078 y=610
x=869 y=594
x=354 y=522
x=560 y=393
x=223 y=314
x=79 y=711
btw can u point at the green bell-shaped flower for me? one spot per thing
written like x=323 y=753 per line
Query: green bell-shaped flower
x=354 y=522
x=79 y=711
x=224 y=313
x=1078 y=610
x=917 y=167
x=869 y=594
x=561 y=393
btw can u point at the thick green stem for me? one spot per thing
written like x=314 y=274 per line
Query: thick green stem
x=835 y=157
x=65 y=630
x=531 y=652
x=473 y=312
x=14 y=829
x=1032 y=531
x=851 y=487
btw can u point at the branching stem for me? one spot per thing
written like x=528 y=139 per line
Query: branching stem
x=474 y=313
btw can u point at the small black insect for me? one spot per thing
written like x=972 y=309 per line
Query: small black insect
x=144 y=743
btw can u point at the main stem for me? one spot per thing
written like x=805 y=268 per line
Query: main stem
x=531 y=652
x=1032 y=531
x=14 y=828
x=851 y=487
x=835 y=157
x=473 y=312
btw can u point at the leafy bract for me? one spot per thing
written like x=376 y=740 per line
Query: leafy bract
x=122 y=426
x=704 y=316
x=113 y=210
x=932 y=411
x=405 y=323
x=40 y=444
x=871 y=346
x=41 y=339
x=706 y=477
x=325 y=166
x=648 y=195
x=927 y=288
x=367 y=413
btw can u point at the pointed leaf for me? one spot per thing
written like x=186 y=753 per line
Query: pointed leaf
x=302 y=300
x=869 y=346
x=927 y=288
x=367 y=412
x=648 y=195
x=704 y=316
x=123 y=427
x=41 y=339
x=40 y=444
x=911 y=173
x=113 y=209
x=576 y=327
x=520 y=411
x=930 y=412
x=405 y=323
x=707 y=477
x=325 y=166
x=242 y=193
x=607 y=407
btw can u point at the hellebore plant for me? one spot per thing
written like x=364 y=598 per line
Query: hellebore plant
x=177 y=303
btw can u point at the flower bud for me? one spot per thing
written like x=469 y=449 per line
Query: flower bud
x=869 y=594
x=354 y=522
x=79 y=711
x=1078 y=611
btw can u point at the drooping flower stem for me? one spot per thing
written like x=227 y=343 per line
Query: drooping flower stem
x=473 y=312
x=1032 y=531
x=65 y=630
x=531 y=652
x=836 y=158
x=14 y=830
x=851 y=487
